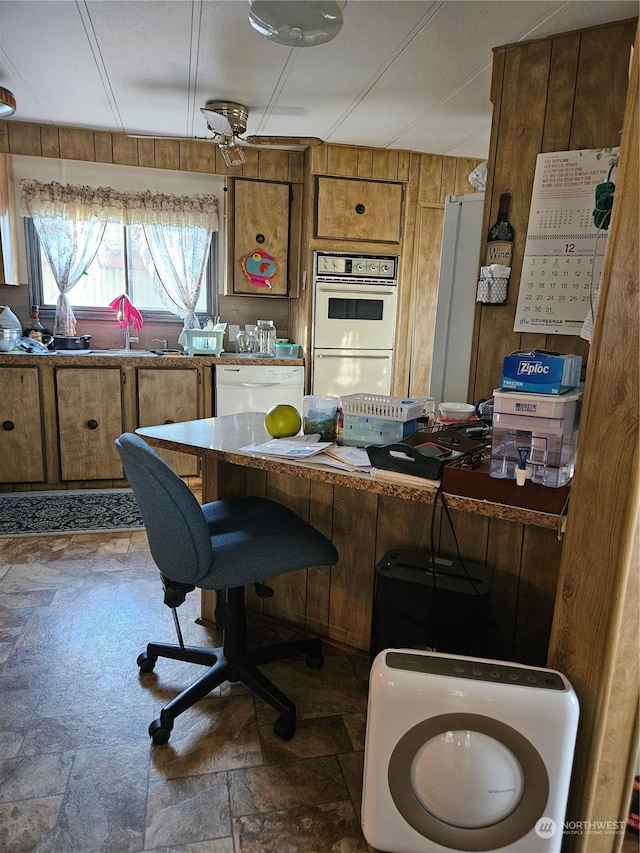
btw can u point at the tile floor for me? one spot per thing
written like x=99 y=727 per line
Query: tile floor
x=77 y=769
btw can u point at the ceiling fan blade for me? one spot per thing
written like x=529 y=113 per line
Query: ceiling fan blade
x=217 y=123
x=179 y=138
x=304 y=141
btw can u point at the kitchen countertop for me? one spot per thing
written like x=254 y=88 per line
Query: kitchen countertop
x=221 y=439
x=102 y=358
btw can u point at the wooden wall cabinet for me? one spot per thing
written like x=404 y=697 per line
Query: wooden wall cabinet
x=21 y=432
x=168 y=395
x=260 y=222
x=350 y=209
x=90 y=417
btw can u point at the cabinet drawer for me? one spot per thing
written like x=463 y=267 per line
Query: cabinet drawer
x=359 y=210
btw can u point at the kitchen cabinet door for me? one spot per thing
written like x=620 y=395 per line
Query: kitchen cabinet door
x=261 y=212
x=21 y=435
x=90 y=418
x=165 y=396
x=359 y=210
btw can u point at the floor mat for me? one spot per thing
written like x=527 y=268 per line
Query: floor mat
x=88 y=511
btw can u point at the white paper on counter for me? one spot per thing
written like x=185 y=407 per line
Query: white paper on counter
x=352 y=457
x=287 y=449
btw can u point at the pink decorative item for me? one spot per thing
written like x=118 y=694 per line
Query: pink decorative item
x=127 y=312
x=260 y=267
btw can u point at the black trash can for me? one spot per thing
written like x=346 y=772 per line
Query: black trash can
x=417 y=608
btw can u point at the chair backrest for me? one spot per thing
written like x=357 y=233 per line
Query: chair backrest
x=178 y=535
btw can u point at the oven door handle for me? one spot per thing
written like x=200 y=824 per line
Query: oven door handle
x=351 y=355
x=356 y=292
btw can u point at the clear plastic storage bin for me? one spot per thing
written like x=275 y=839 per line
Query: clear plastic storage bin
x=320 y=415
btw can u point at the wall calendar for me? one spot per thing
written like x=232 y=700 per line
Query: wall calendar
x=564 y=251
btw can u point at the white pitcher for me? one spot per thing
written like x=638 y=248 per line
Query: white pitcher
x=8 y=319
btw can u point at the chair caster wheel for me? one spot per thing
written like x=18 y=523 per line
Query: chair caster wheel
x=315 y=661
x=315 y=658
x=284 y=728
x=158 y=733
x=146 y=663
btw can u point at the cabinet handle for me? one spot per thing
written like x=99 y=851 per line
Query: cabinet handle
x=8 y=425
x=169 y=421
x=260 y=238
x=360 y=208
x=92 y=424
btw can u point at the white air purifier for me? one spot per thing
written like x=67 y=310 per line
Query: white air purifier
x=466 y=754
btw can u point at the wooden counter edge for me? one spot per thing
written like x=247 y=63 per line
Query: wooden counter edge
x=364 y=482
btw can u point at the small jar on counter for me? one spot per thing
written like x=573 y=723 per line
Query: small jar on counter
x=265 y=333
x=245 y=342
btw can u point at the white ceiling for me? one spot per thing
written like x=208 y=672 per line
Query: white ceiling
x=413 y=75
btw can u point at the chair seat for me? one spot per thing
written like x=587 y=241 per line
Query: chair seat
x=255 y=538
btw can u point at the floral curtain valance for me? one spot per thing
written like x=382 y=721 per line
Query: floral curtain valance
x=83 y=203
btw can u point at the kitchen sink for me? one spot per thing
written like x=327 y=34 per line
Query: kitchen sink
x=138 y=353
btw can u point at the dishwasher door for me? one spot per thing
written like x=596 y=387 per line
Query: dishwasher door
x=257 y=387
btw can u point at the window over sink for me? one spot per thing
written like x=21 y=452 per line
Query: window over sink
x=123 y=262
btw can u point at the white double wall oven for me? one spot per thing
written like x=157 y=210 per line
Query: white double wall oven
x=354 y=321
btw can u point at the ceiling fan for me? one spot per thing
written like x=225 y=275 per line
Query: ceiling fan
x=228 y=121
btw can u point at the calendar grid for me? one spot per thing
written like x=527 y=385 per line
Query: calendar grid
x=564 y=250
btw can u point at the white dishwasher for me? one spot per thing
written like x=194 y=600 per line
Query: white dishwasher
x=257 y=387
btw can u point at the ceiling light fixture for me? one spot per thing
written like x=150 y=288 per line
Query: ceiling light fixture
x=297 y=23
x=7 y=103
x=232 y=154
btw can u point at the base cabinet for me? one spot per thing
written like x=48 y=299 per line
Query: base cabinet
x=59 y=421
x=165 y=396
x=21 y=432
x=90 y=417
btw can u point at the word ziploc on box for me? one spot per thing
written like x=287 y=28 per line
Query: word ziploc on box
x=541 y=372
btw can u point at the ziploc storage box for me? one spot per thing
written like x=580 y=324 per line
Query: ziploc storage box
x=541 y=372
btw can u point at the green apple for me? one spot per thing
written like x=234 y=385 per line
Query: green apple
x=283 y=420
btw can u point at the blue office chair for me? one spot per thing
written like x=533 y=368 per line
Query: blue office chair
x=222 y=546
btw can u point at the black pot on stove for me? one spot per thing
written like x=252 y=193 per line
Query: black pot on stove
x=66 y=342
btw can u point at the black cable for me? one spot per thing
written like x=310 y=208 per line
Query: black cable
x=490 y=619
x=432 y=558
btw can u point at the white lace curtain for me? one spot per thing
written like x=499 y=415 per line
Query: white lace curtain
x=70 y=222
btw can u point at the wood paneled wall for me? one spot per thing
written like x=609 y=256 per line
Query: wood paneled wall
x=73 y=143
x=556 y=94
x=595 y=636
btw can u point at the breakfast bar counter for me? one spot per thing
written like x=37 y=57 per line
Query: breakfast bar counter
x=365 y=517
x=221 y=439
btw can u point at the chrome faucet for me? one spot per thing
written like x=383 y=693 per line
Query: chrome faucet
x=160 y=341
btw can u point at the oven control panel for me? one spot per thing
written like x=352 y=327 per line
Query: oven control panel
x=356 y=266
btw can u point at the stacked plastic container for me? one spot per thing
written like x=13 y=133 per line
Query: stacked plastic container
x=535 y=435
x=377 y=419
